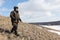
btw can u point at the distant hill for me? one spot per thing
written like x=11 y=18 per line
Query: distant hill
x=26 y=31
x=47 y=23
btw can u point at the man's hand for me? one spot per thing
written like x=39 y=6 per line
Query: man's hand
x=20 y=20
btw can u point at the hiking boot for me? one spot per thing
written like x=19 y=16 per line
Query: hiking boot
x=17 y=34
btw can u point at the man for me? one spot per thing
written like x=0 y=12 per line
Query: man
x=14 y=15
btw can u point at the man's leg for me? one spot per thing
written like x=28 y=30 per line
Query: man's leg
x=12 y=30
x=15 y=29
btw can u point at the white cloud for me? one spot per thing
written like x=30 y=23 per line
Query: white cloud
x=1 y=2
x=0 y=13
x=3 y=9
x=39 y=10
x=49 y=14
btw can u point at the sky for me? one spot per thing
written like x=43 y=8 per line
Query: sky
x=33 y=10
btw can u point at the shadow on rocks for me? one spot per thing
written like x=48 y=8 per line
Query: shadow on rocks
x=6 y=31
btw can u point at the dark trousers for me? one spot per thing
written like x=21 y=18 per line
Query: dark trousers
x=14 y=29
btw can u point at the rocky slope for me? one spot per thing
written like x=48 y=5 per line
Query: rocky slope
x=26 y=31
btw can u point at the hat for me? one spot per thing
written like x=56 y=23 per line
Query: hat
x=15 y=7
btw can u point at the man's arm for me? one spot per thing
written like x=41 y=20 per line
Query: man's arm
x=20 y=20
x=11 y=15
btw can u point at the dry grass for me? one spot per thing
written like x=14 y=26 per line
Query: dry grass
x=26 y=31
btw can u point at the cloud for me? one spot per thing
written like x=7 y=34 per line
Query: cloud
x=49 y=14
x=39 y=10
x=3 y=9
x=2 y=2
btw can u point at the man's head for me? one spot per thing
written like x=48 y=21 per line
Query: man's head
x=15 y=8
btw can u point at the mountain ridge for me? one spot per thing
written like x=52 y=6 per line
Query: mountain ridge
x=47 y=23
